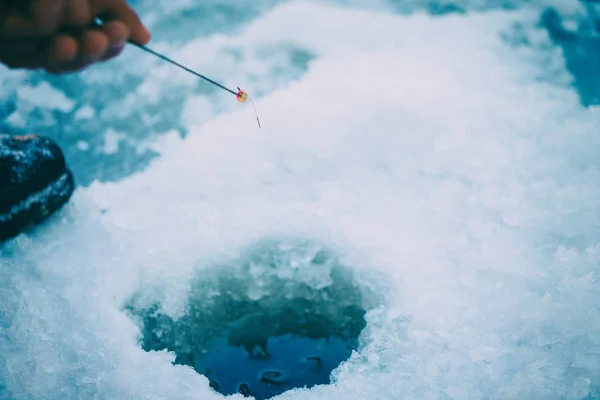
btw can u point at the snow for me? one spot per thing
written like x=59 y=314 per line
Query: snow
x=426 y=152
x=85 y=112
x=45 y=96
x=83 y=145
x=112 y=140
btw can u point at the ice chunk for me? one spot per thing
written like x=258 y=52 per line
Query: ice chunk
x=111 y=141
x=45 y=96
x=83 y=145
x=85 y=112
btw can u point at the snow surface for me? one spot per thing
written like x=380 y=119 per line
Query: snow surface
x=44 y=95
x=427 y=152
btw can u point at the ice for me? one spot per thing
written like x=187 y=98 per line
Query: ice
x=85 y=112
x=197 y=111
x=83 y=145
x=112 y=140
x=454 y=170
x=45 y=96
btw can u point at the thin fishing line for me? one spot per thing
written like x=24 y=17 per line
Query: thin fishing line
x=255 y=113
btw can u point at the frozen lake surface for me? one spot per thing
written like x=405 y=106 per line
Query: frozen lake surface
x=433 y=171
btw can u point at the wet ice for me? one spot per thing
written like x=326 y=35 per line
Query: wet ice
x=287 y=334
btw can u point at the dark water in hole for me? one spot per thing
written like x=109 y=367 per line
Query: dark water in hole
x=263 y=354
x=286 y=362
x=293 y=335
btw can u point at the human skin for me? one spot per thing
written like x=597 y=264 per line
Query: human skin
x=58 y=35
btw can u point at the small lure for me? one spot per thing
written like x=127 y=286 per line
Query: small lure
x=241 y=95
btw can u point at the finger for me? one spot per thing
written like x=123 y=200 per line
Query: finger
x=70 y=55
x=63 y=50
x=94 y=45
x=112 y=53
x=63 y=55
x=117 y=33
x=120 y=10
x=77 y=13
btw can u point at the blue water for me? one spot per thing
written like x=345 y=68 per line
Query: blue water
x=267 y=346
x=292 y=362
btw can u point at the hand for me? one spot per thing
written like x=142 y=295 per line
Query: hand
x=57 y=35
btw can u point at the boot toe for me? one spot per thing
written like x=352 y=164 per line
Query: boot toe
x=34 y=182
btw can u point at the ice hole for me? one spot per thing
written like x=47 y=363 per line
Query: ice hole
x=283 y=316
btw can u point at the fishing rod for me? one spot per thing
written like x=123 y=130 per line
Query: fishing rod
x=165 y=58
x=240 y=95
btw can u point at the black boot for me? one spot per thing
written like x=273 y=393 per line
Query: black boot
x=34 y=182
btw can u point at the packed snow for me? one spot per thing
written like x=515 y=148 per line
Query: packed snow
x=450 y=167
